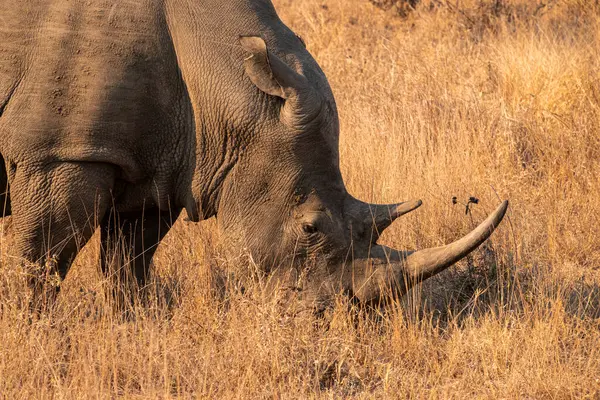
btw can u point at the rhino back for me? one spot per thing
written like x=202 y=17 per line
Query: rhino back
x=92 y=81
x=156 y=87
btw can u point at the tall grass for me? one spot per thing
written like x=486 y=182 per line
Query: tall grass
x=491 y=99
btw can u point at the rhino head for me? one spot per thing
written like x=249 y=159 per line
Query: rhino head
x=286 y=201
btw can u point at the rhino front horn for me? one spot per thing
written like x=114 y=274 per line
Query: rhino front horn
x=423 y=264
x=401 y=270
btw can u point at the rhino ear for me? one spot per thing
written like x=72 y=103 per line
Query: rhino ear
x=268 y=72
x=274 y=77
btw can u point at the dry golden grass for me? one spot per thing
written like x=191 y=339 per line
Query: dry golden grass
x=494 y=100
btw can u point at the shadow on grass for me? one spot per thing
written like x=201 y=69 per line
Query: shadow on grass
x=485 y=283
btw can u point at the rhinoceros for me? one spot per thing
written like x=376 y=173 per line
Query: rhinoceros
x=119 y=114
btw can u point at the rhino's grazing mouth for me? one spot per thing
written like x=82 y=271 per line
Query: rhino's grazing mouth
x=126 y=115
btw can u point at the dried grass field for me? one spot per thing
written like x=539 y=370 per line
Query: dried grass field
x=484 y=98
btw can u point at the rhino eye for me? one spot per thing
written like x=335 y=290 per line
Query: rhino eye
x=309 y=228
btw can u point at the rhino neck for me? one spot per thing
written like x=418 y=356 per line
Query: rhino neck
x=219 y=145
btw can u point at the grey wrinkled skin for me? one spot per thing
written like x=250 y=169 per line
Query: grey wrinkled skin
x=119 y=114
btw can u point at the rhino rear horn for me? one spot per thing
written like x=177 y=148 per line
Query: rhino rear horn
x=375 y=218
x=381 y=216
x=274 y=77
